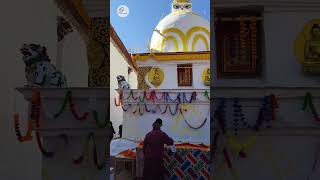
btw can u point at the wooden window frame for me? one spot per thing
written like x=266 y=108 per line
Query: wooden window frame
x=184 y=66
x=225 y=18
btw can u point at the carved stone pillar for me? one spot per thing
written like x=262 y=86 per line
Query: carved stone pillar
x=99 y=63
x=142 y=72
x=98 y=53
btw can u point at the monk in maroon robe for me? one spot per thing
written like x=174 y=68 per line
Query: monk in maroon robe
x=153 y=152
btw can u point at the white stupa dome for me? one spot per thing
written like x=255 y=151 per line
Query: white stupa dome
x=181 y=31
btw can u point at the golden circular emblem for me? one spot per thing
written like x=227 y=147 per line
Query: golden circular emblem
x=307 y=44
x=155 y=77
x=206 y=76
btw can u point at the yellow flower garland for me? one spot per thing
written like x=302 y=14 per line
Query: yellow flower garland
x=238 y=146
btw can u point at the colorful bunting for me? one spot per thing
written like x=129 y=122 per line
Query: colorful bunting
x=200 y=126
x=308 y=104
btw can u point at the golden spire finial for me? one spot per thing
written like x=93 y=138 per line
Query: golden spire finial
x=181 y=1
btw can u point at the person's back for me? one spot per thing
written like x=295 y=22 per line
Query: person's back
x=153 y=148
x=154 y=143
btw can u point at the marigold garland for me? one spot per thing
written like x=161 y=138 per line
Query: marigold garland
x=28 y=136
x=140 y=110
x=35 y=103
x=168 y=97
x=136 y=109
x=68 y=99
x=162 y=97
x=74 y=112
x=35 y=116
x=159 y=107
x=146 y=108
x=37 y=119
x=80 y=159
x=131 y=95
x=176 y=110
x=240 y=148
x=195 y=128
x=165 y=110
x=151 y=97
x=206 y=94
x=120 y=102
x=193 y=97
x=64 y=105
x=142 y=99
x=126 y=109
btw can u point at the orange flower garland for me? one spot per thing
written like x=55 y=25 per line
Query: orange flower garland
x=35 y=101
x=120 y=101
x=128 y=153
x=28 y=136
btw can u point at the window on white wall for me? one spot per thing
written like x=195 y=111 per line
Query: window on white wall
x=184 y=72
x=239 y=42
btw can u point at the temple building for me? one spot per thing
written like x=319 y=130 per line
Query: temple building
x=173 y=84
x=178 y=62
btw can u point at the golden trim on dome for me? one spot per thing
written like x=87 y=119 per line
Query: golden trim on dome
x=197 y=38
x=183 y=12
x=185 y=38
x=181 y=1
x=172 y=56
x=196 y=29
x=179 y=33
x=170 y=38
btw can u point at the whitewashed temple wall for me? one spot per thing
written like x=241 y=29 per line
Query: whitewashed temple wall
x=169 y=69
x=274 y=156
x=137 y=125
x=31 y=21
x=119 y=66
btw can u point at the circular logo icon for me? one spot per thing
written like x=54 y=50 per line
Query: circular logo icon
x=123 y=11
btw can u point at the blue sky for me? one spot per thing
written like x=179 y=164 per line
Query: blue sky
x=136 y=29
